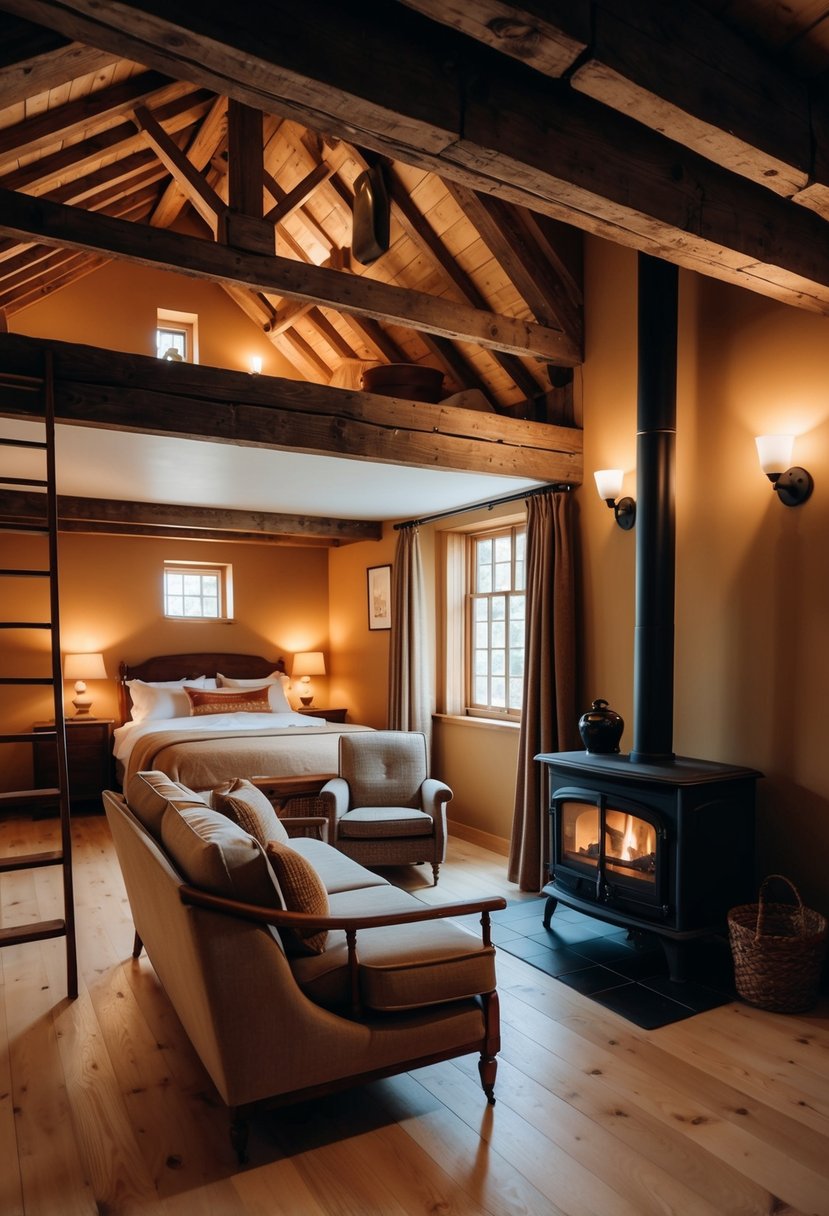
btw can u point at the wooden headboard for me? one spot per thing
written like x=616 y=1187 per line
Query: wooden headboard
x=188 y=667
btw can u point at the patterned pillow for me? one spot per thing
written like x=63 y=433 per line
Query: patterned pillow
x=276 y=682
x=246 y=805
x=303 y=891
x=234 y=701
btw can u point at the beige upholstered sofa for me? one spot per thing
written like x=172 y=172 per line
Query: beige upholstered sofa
x=285 y=1005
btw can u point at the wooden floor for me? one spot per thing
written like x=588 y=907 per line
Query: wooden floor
x=104 y=1108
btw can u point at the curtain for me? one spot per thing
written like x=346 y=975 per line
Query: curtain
x=410 y=693
x=548 y=712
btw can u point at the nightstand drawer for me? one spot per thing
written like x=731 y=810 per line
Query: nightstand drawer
x=330 y=715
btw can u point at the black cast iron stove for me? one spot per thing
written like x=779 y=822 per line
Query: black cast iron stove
x=650 y=840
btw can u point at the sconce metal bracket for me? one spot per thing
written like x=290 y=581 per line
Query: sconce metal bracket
x=794 y=486
x=625 y=513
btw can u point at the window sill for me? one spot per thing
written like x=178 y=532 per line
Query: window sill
x=481 y=723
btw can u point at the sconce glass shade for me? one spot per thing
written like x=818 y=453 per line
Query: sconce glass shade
x=609 y=483
x=256 y=365
x=775 y=453
x=80 y=668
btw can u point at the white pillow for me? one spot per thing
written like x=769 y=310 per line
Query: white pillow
x=163 y=698
x=275 y=684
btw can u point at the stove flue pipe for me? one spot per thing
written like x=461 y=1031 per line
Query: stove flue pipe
x=653 y=675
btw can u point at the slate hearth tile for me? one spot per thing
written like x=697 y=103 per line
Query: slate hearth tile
x=641 y=965
x=567 y=933
x=526 y=948
x=557 y=962
x=502 y=934
x=606 y=950
x=697 y=996
x=591 y=980
x=645 y=1008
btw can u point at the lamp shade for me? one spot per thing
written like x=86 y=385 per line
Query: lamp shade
x=84 y=667
x=775 y=452
x=309 y=663
x=609 y=483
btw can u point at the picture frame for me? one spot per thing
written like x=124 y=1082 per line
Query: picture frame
x=378 y=580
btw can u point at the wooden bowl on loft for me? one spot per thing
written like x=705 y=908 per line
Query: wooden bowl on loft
x=411 y=381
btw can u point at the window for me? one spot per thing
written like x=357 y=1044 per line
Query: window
x=495 y=622
x=176 y=335
x=197 y=592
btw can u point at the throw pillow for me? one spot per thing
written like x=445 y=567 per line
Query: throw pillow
x=246 y=805
x=303 y=891
x=215 y=854
x=234 y=701
x=277 y=683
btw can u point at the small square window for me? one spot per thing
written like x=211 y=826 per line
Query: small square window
x=195 y=592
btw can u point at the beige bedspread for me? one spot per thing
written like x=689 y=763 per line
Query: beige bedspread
x=204 y=759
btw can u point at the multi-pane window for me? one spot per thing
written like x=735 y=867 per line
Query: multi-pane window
x=196 y=592
x=495 y=666
x=172 y=344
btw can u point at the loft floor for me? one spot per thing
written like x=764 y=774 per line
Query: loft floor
x=104 y=1107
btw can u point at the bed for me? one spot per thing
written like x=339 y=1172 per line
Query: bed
x=188 y=736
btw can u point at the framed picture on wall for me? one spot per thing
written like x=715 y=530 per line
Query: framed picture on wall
x=379 y=597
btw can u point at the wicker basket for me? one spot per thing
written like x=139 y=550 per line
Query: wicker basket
x=778 y=951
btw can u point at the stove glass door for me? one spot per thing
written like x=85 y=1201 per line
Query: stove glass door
x=614 y=846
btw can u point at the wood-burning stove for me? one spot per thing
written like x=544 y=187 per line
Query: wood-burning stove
x=666 y=848
x=651 y=840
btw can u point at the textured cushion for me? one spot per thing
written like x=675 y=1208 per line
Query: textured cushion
x=303 y=891
x=338 y=872
x=242 y=802
x=401 y=966
x=231 y=701
x=148 y=794
x=275 y=682
x=162 y=699
x=369 y=822
x=214 y=853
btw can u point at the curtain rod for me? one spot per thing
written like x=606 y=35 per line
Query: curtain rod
x=476 y=506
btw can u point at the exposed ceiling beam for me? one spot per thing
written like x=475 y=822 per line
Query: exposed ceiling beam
x=113 y=391
x=174 y=519
x=28 y=77
x=463 y=111
x=200 y=152
x=24 y=217
x=190 y=180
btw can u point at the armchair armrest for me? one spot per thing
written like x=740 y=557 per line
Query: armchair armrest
x=307 y=821
x=349 y=924
x=338 y=797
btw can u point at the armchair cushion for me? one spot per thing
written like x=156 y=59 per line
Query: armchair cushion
x=387 y=768
x=303 y=891
x=400 y=966
x=369 y=822
x=246 y=805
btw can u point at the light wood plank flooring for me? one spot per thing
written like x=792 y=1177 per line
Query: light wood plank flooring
x=104 y=1108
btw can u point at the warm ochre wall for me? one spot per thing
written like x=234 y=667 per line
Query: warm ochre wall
x=116 y=308
x=752 y=580
x=110 y=601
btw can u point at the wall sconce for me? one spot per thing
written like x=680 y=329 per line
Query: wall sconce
x=609 y=485
x=80 y=668
x=256 y=365
x=311 y=663
x=792 y=484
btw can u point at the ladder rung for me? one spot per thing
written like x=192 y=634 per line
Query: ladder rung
x=29 y=797
x=26 y=680
x=25 y=573
x=27 y=736
x=17 y=935
x=5 y=526
x=23 y=443
x=23 y=481
x=30 y=861
x=26 y=624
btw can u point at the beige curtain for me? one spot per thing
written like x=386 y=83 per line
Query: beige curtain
x=548 y=713
x=410 y=693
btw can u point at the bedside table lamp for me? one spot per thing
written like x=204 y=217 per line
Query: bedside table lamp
x=310 y=663
x=80 y=668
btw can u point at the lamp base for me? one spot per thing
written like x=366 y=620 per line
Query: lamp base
x=306 y=701
x=82 y=707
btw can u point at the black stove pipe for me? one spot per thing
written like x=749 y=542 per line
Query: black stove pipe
x=653 y=661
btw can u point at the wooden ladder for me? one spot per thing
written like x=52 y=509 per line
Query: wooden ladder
x=40 y=390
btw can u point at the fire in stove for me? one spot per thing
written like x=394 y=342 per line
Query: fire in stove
x=629 y=842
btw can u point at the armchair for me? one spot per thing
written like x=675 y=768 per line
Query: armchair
x=387 y=810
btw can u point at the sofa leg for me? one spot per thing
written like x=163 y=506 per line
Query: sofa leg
x=435 y=872
x=137 y=947
x=488 y=1065
x=239 y=1135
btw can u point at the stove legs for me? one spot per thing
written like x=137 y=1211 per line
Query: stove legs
x=549 y=909
x=676 y=959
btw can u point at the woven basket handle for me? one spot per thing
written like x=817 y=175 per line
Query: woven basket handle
x=761 y=904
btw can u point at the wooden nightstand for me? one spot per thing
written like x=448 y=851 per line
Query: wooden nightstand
x=331 y=715
x=89 y=755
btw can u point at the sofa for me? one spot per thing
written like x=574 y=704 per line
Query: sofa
x=294 y=970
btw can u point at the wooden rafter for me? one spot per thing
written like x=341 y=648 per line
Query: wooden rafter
x=200 y=152
x=192 y=183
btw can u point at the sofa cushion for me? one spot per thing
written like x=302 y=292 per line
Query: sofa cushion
x=367 y=822
x=214 y=853
x=246 y=805
x=302 y=891
x=338 y=872
x=400 y=966
x=148 y=794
